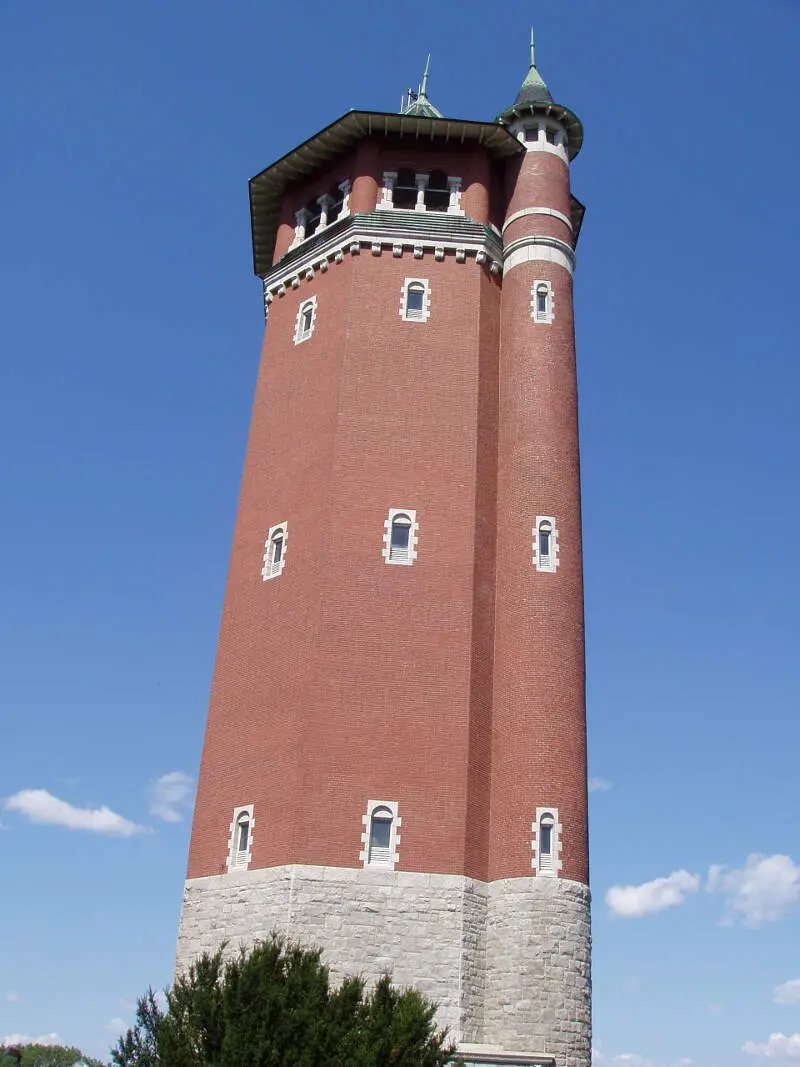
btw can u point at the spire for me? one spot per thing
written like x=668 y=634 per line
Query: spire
x=533 y=90
x=418 y=102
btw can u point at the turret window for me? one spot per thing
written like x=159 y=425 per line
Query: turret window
x=546 y=842
x=542 y=302
x=400 y=537
x=240 y=844
x=305 y=321
x=545 y=544
x=415 y=300
x=381 y=836
x=275 y=551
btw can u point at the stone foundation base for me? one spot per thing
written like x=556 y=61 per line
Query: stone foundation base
x=507 y=962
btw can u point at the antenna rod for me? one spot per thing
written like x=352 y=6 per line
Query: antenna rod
x=533 y=51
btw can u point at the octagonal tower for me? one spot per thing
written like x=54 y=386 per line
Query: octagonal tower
x=394 y=765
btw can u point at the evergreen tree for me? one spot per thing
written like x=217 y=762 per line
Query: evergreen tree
x=274 y=1007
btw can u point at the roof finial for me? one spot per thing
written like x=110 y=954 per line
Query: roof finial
x=424 y=87
x=533 y=50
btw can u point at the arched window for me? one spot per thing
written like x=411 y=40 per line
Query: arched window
x=306 y=317
x=400 y=541
x=240 y=841
x=546 y=842
x=313 y=212
x=415 y=300
x=400 y=537
x=437 y=194
x=545 y=540
x=380 y=837
x=405 y=189
x=243 y=833
x=542 y=301
x=545 y=543
x=415 y=304
x=275 y=551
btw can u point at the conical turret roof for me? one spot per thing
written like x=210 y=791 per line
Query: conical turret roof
x=534 y=98
x=533 y=90
x=418 y=102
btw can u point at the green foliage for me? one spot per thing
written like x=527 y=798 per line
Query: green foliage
x=47 y=1056
x=274 y=1007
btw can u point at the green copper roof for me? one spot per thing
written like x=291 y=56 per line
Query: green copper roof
x=418 y=103
x=533 y=90
x=534 y=98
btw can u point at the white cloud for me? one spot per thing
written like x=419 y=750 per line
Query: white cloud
x=26 y=1039
x=42 y=807
x=787 y=993
x=765 y=889
x=12 y=998
x=630 y=901
x=779 y=1047
x=170 y=793
x=116 y=1025
x=597 y=1055
x=632 y=1059
x=600 y=785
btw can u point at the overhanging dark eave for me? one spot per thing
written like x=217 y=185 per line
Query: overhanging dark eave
x=267 y=187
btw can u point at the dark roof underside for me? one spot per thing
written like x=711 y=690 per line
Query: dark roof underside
x=268 y=187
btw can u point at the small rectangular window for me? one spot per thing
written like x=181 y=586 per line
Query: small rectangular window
x=552 y=135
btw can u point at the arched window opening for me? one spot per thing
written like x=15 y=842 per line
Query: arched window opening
x=304 y=323
x=275 y=551
x=437 y=194
x=380 y=837
x=313 y=213
x=546 y=842
x=541 y=301
x=405 y=189
x=415 y=300
x=400 y=540
x=243 y=833
x=545 y=540
x=336 y=194
x=240 y=841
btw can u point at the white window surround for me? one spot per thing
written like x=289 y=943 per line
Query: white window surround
x=391 y=858
x=541 y=135
x=239 y=860
x=277 y=536
x=545 y=532
x=410 y=556
x=547 y=864
x=543 y=288
x=411 y=314
x=306 y=319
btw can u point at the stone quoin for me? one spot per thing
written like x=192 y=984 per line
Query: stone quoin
x=394 y=765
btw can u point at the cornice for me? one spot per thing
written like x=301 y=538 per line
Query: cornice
x=397 y=232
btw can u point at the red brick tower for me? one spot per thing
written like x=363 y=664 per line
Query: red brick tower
x=394 y=763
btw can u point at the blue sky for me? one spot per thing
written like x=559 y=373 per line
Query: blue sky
x=131 y=331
